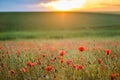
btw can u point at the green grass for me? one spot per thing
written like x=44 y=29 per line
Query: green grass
x=57 y=25
x=58 y=34
x=49 y=33
x=29 y=50
x=32 y=21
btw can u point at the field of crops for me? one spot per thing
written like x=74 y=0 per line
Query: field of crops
x=53 y=25
x=11 y=21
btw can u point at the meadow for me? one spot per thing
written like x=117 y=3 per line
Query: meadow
x=63 y=59
x=47 y=25
x=59 y=46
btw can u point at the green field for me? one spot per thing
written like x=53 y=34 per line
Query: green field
x=29 y=59
x=59 y=46
x=56 y=25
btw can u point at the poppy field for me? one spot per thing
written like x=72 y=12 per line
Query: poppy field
x=63 y=59
x=59 y=46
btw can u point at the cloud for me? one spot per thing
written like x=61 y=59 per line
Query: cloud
x=49 y=5
x=110 y=4
x=102 y=4
x=63 y=4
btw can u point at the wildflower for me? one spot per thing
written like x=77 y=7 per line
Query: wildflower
x=52 y=60
x=52 y=48
x=80 y=67
x=23 y=70
x=25 y=49
x=44 y=55
x=62 y=53
x=81 y=48
x=75 y=66
x=59 y=57
x=18 y=52
x=61 y=61
x=48 y=68
x=99 y=60
x=30 y=64
x=114 y=76
x=69 y=62
x=12 y=72
x=3 y=55
x=38 y=63
x=107 y=51
x=1 y=47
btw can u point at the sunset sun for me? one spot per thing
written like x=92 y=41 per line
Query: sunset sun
x=65 y=5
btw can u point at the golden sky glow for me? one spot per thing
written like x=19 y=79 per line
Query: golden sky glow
x=70 y=5
x=64 y=5
x=60 y=5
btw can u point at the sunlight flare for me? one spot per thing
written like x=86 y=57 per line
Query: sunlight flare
x=64 y=5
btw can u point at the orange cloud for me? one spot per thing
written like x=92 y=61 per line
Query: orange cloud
x=64 y=4
x=99 y=5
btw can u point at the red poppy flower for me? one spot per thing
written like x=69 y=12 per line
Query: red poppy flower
x=114 y=76
x=81 y=48
x=1 y=47
x=30 y=64
x=12 y=72
x=44 y=55
x=61 y=61
x=48 y=68
x=3 y=55
x=62 y=53
x=75 y=66
x=23 y=70
x=80 y=67
x=24 y=49
x=107 y=51
x=38 y=63
x=52 y=60
x=18 y=52
x=99 y=60
x=59 y=57
x=69 y=62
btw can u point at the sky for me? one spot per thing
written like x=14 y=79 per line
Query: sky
x=59 y=5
